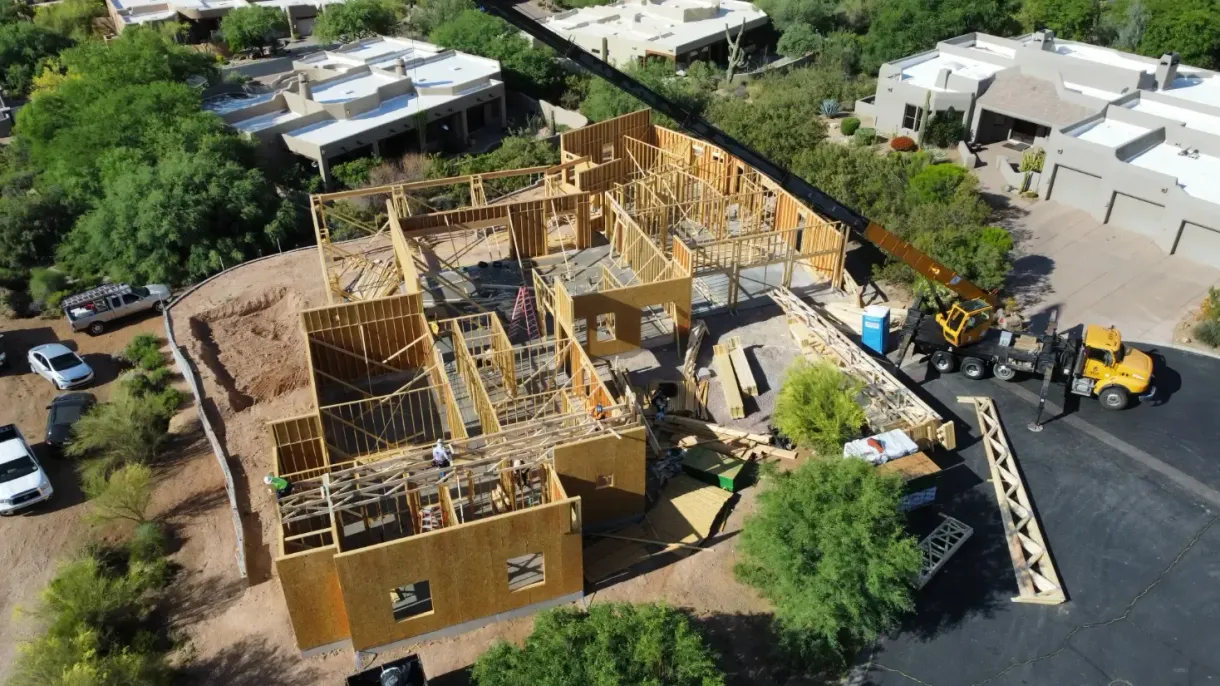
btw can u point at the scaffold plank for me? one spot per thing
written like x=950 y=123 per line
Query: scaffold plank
x=1037 y=578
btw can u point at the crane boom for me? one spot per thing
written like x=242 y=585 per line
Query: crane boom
x=801 y=189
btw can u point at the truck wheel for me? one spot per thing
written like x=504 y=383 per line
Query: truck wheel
x=160 y=306
x=944 y=362
x=974 y=368
x=96 y=328
x=1114 y=398
x=1004 y=372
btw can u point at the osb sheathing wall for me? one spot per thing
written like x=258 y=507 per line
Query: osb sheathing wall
x=580 y=464
x=466 y=567
x=603 y=141
x=315 y=602
x=627 y=305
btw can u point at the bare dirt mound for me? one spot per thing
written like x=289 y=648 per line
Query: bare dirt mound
x=260 y=358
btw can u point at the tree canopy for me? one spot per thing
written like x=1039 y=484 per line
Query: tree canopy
x=827 y=548
x=1071 y=19
x=253 y=28
x=356 y=19
x=71 y=18
x=817 y=407
x=25 y=49
x=612 y=643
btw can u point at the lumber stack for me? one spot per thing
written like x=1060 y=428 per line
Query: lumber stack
x=687 y=433
x=741 y=367
x=728 y=382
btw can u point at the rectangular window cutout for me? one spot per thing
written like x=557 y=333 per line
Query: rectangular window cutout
x=525 y=571
x=411 y=600
x=605 y=481
x=605 y=327
x=912 y=116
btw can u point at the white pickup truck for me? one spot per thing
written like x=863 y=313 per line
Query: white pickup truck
x=22 y=481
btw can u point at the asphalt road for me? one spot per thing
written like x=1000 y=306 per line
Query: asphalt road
x=1127 y=501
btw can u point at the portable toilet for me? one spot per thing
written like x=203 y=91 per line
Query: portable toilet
x=875 y=329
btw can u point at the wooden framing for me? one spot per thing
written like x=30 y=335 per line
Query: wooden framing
x=890 y=403
x=1037 y=579
x=741 y=366
x=728 y=382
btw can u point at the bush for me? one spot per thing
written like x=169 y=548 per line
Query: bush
x=44 y=283
x=354 y=174
x=154 y=389
x=826 y=546
x=144 y=351
x=903 y=144
x=1033 y=159
x=356 y=19
x=865 y=136
x=127 y=430
x=1208 y=332
x=124 y=495
x=848 y=126
x=253 y=28
x=612 y=643
x=938 y=183
x=817 y=407
x=799 y=40
x=829 y=107
x=945 y=129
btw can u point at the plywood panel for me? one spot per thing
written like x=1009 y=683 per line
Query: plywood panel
x=311 y=591
x=580 y=464
x=466 y=567
x=627 y=304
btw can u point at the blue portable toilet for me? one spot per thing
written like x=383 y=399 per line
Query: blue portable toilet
x=875 y=329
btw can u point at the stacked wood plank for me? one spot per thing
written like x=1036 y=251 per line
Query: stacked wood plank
x=741 y=367
x=728 y=382
x=686 y=433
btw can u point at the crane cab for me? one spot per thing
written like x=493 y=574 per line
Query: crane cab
x=965 y=322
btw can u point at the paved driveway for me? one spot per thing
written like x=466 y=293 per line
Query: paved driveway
x=1095 y=273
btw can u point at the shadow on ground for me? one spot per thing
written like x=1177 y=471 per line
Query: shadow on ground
x=250 y=662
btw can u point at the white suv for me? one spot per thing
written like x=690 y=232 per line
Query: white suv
x=22 y=481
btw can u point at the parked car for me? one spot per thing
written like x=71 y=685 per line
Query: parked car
x=95 y=309
x=62 y=367
x=22 y=481
x=64 y=411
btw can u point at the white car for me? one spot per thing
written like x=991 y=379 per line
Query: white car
x=62 y=367
x=22 y=481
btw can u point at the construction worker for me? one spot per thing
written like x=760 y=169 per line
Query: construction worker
x=660 y=402
x=281 y=486
x=442 y=456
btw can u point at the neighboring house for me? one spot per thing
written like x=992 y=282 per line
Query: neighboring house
x=680 y=30
x=379 y=96
x=1133 y=140
x=203 y=16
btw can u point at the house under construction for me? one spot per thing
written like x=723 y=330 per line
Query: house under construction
x=485 y=327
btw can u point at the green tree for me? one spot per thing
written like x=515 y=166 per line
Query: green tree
x=606 y=101
x=1071 y=19
x=70 y=18
x=905 y=27
x=818 y=15
x=190 y=215
x=15 y=10
x=1125 y=23
x=1189 y=27
x=24 y=50
x=827 y=548
x=817 y=407
x=612 y=643
x=939 y=182
x=124 y=495
x=799 y=40
x=356 y=19
x=124 y=431
x=427 y=15
x=253 y=28
x=779 y=123
x=529 y=69
x=32 y=223
x=84 y=658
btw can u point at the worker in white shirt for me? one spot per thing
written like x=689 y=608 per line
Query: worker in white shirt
x=442 y=456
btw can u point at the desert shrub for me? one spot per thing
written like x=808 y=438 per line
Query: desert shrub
x=612 y=643
x=355 y=173
x=45 y=283
x=827 y=547
x=865 y=136
x=144 y=351
x=123 y=495
x=1033 y=159
x=1208 y=332
x=817 y=407
x=127 y=430
x=939 y=182
x=829 y=107
x=154 y=388
x=848 y=126
x=945 y=129
x=903 y=144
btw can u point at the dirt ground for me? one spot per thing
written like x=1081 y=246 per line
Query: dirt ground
x=32 y=542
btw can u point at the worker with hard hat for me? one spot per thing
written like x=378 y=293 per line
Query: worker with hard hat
x=279 y=485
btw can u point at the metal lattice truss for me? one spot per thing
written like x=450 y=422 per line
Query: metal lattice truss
x=939 y=546
x=394 y=474
x=890 y=402
x=1037 y=579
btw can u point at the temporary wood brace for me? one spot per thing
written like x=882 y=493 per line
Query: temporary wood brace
x=891 y=403
x=697 y=332
x=728 y=382
x=741 y=366
x=1037 y=579
x=939 y=546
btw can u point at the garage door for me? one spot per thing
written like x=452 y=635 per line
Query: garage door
x=1075 y=188
x=1200 y=244
x=1136 y=214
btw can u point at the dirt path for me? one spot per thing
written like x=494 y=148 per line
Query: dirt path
x=32 y=542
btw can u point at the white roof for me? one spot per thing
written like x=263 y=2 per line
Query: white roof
x=1196 y=176
x=656 y=22
x=1089 y=90
x=231 y=102
x=923 y=74
x=1093 y=53
x=1110 y=132
x=373 y=51
x=1193 y=120
x=265 y=121
x=351 y=87
x=1196 y=86
x=145 y=11
x=993 y=49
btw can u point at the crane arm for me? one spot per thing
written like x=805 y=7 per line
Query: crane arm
x=801 y=189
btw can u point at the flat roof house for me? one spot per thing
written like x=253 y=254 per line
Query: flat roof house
x=680 y=30
x=203 y=16
x=374 y=95
x=1134 y=141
